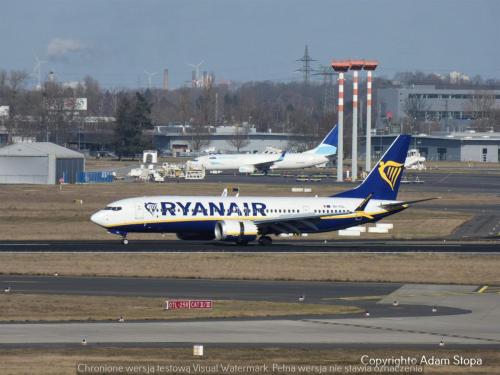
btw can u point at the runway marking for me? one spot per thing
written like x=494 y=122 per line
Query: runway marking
x=353 y=298
x=438 y=294
x=24 y=244
x=399 y=330
x=444 y=178
x=482 y=289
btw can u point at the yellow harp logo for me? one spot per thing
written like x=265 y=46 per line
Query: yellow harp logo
x=390 y=172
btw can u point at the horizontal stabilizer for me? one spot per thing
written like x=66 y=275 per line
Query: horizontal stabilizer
x=394 y=206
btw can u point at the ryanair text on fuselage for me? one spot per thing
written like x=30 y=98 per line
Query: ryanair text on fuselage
x=206 y=209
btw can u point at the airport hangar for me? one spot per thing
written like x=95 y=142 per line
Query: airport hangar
x=39 y=163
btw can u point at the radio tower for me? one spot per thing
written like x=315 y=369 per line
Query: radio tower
x=306 y=69
x=328 y=88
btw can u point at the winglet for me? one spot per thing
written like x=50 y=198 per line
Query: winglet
x=282 y=156
x=363 y=204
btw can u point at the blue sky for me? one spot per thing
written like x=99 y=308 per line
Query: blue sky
x=115 y=41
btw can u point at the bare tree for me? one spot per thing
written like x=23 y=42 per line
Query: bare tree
x=16 y=81
x=481 y=107
x=199 y=136
x=239 y=138
x=184 y=107
x=415 y=107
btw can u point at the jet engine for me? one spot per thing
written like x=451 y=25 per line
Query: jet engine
x=187 y=236
x=238 y=231
x=246 y=169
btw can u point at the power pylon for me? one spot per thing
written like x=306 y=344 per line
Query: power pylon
x=328 y=88
x=306 y=68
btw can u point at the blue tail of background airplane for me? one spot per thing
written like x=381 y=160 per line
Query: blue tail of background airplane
x=328 y=145
x=383 y=181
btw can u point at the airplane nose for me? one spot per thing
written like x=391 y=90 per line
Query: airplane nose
x=98 y=218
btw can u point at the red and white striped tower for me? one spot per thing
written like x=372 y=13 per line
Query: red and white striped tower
x=370 y=66
x=356 y=66
x=340 y=67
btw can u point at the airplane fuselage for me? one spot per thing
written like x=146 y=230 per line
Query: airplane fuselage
x=237 y=161
x=243 y=219
x=195 y=214
x=302 y=160
x=234 y=161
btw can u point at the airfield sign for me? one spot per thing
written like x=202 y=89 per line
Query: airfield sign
x=188 y=304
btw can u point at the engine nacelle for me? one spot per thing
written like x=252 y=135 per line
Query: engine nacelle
x=246 y=169
x=187 y=236
x=239 y=231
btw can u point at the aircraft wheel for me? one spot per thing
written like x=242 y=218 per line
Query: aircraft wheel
x=265 y=241
x=124 y=241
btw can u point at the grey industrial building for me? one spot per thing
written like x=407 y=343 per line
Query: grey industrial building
x=179 y=139
x=455 y=146
x=453 y=109
x=39 y=163
x=468 y=146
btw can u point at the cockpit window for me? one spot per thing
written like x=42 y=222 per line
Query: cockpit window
x=110 y=208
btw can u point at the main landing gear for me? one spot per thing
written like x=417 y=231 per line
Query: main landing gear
x=124 y=241
x=265 y=241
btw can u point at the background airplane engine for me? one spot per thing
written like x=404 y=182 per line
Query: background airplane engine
x=247 y=169
x=240 y=231
x=188 y=236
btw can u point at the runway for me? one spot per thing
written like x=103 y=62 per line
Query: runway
x=280 y=246
x=475 y=327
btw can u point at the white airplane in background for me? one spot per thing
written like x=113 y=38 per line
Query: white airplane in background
x=244 y=219
x=249 y=163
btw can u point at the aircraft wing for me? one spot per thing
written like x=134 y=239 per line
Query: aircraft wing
x=295 y=223
x=264 y=166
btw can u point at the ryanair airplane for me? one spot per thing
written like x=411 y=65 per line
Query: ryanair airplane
x=245 y=219
x=263 y=162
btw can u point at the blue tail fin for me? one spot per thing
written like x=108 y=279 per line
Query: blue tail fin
x=383 y=181
x=328 y=145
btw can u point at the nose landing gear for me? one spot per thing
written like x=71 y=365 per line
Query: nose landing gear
x=120 y=233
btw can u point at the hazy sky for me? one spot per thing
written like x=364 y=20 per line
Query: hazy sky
x=115 y=41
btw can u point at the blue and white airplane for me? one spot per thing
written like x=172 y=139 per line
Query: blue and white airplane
x=249 y=163
x=246 y=219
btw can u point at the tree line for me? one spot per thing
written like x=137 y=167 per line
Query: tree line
x=290 y=107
